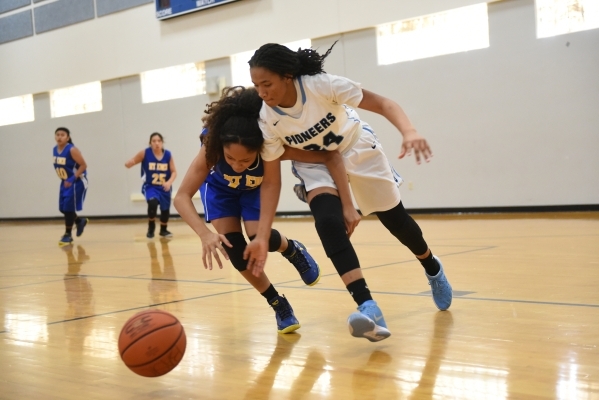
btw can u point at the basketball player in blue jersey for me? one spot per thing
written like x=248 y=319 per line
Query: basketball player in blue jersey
x=228 y=171
x=158 y=173
x=71 y=169
x=306 y=108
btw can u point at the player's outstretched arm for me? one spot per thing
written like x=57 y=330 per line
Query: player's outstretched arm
x=270 y=190
x=396 y=115
x=139 y=157
x=211 y=242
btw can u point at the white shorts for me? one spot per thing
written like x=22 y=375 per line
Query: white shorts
x=374 y=182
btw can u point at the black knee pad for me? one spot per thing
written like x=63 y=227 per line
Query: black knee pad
x=152 y=208
x=404 y=228
x=164 y=215
x=236 y=252
x=274 y=242
x=330 y=225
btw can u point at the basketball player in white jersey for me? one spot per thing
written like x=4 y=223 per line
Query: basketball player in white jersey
x=305 y=108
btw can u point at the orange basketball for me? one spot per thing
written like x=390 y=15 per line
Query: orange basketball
x=152 y=343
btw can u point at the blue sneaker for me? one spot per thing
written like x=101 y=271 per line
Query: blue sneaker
x=65 y=241
x=368 y=322
x=286 y=321
x=442 y=293
x=81 y=225
x=305 y=264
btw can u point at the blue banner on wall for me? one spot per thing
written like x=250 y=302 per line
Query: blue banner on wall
x=173 y=8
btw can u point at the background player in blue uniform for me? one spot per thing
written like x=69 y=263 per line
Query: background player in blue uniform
x=299 y=97
x=71 y=169
x=158 y=172
x=228 y=170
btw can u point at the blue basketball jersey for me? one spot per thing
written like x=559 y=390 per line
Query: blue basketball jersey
x=154 y=171
x=64 y=164
x=222 y=174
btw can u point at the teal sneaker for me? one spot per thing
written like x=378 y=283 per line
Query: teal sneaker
x=442 y=292
x=368 y=322
x=65 y=241
x=81 y=226
x=304 y=263
x=286 y=321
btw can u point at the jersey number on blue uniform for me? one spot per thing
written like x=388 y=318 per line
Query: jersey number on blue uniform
x=62 y=173
x=158 y=179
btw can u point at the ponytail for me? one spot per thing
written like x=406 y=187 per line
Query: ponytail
x=286 y=62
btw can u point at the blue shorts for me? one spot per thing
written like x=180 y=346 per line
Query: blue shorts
x=71 y=199
x=220 y=202
x=158 y=193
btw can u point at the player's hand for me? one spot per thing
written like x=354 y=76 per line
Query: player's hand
x=412 y=141
x=352 y=219
x=166 y=186
x=68 y=184
x=210 y=243
x=256 y=252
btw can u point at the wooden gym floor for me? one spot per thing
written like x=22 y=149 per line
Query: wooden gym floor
x=524 y=323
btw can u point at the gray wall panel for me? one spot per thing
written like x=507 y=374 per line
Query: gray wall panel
x=7 y=5
x=38 y=1
x=511 y=125
x=16 y=26
x=111 y=6
x=62 y=13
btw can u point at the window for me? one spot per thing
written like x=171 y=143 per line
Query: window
x=240 y=70
x=173 y=82
x=556 y=17
x=15 y=110
x=452 y=31
x=74 y=100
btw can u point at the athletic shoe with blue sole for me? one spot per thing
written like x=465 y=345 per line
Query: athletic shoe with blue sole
x=368 y=322
x=304 y=263
x=286 y=321
x=81 y=226
x=442 y=292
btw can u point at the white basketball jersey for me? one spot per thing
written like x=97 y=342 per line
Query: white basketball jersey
x=320 y=120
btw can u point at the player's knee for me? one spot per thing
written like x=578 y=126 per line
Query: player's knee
x=274 y=242
x=330 y=225
x=235 y=253
x=153 y=208
x=401 y=225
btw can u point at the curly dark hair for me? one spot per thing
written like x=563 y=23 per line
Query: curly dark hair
x=232 y=119
x=286 y=62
